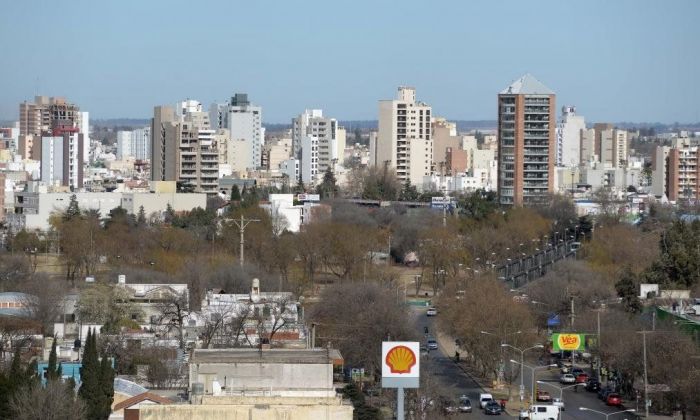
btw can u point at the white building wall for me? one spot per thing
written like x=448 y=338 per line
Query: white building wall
x=141 y=143
x=568 y=134
x=52 y=160
x=309 y=160
x=85 y=130
x=245 y=124
x=125 y=141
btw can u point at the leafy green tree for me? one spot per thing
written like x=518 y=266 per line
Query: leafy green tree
x=251 y=198
x=106 y=390
x=627 y=287
x=328 y=187
x=409 y=192
x=679 y=262
x=479 y=204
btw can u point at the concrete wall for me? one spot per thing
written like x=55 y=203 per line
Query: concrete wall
x=247 y=412
x=158 y=202
x=270 y=377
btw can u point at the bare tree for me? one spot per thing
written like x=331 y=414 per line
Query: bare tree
x=214 y=321
x=274 y=317
x=174 y=310
x=55 y=401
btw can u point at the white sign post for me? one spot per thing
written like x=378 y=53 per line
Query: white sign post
x=400 y=369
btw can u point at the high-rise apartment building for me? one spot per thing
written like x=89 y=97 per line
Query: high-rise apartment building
x=62 y=158
x=331 y=140
x=613 y=147
x=40 y=117
x=183 y=147
x=309 y=160
x=676 y=170
x=568 y=150
x=244 y=122
x=135 y=143
x=526 y=140
x=404 y=140
x=588 y=146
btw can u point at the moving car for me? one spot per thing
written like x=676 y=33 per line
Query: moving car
x=432 y=344
x=465 y=405
x=432 y=311
x=604 y=392
x=559 y=403
x=581 y=378
x=484 y=398
x=493 y=407
x=543 y=396
x=577 y=371
x=613 y=399
x=448 y=406
x=592 y=385
x=567 y=378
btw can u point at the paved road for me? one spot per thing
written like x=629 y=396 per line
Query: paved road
x=450 y=379
x=573 y=400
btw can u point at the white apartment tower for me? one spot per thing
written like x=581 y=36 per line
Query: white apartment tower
x=124 y=145
x=309 y=159
x=330 y=139
x=136 y=144
x=404 y=140
x=568 y=146
x=62 y=160
x=244 y=122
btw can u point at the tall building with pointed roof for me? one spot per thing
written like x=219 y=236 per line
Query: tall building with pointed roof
x=526 y=142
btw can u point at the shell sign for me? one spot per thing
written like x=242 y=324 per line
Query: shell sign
x=400 y=364
x=568 y=341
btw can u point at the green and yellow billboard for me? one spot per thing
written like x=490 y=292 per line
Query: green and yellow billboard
x=568 y=341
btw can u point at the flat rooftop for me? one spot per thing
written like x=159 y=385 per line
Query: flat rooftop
x=282 y=356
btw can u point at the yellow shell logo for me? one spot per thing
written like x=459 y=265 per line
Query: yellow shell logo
x=569 y=341
x=400 y=359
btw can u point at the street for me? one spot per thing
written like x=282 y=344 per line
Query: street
x=573 y=399
x=451 y=380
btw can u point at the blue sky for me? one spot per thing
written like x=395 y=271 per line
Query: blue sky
x=622 y=60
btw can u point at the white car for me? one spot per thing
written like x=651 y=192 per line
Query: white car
x=432 y=344
x=484 y=399
x=431 y=311
x=559 y=403
x=567 y=378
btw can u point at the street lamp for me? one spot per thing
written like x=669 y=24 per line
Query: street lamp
x=522 y=353
x=607 y=415
x=560 y=388
x=533 y=369
x=503 y=340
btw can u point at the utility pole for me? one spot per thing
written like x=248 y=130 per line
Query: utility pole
x=646 y=386
x=572 y=328
x=242 y=224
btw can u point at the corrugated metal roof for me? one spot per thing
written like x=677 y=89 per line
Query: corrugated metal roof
x=527 y=85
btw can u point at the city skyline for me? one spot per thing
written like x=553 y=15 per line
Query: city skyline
x=625 y=61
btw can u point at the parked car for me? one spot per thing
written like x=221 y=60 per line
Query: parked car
x=484 y=398
x=432 y=344
x=613 y=399
x=592 y=385
x=559 y=403
x=432 y=311
x=567 y=378
x=493 y=407
x=543 y=396
x=581 y=378
x=576 y=371
x=465 y=405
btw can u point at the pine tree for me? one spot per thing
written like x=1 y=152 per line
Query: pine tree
x=141 y=218
x=235 y=193
x=328 y=188
x=52 y=372
x=106 y=387
x=169 y=216
x=627 y=287
x=73 y=209
x=251 y=199
x=90 y=377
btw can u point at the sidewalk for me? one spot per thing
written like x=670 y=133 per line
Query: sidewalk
x=447 y=345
